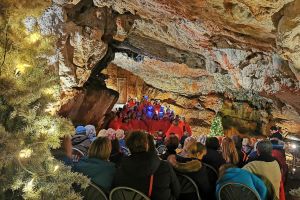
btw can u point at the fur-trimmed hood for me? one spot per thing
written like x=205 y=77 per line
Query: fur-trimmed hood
x=188 y=165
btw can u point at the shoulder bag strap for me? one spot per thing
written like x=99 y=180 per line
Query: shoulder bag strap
x=150 y=185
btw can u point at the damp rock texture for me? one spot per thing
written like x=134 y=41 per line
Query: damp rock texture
x=200 y=53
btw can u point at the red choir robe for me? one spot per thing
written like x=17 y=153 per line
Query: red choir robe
x=177 y=130
x=164 y=125
x=126 y=126
x=115 y=124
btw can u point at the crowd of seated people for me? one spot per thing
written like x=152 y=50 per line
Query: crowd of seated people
x=211 y=162
x=150 y=116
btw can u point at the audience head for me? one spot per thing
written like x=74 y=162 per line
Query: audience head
x=190 y=147
x=90 y=131
x=224 y=167
x=264 y=148
x=201 y=150
x=100 y=148
x=137 y=141
x=229 y=151
x=237 y=141
x=151 y=145
x=212 y=143
x=115 y=146
x=172 y=143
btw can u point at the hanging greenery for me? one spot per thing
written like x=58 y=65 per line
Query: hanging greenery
x=29 y=85
x=216 y=128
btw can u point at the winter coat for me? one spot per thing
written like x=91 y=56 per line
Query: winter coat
x=268 y=167
x=237 y=175
x=194 y=169
x=101 y=172
x=135 y=172
x=213 y=158
x=81 y=142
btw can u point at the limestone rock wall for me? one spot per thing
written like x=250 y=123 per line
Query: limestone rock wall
x=199 y=54
x=89 y=106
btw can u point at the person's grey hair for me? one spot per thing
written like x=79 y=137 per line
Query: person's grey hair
x=264 y=147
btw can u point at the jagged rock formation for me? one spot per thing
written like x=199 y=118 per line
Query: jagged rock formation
x=197 y=52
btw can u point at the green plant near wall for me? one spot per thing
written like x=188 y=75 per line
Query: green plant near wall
x=29 y=86
x=216 y=128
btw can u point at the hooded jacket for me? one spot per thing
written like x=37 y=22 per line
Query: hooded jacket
x=135 y=172
x=101 y=172
x=237 y=175
x=266 y=166
x=194 y=169
x=213 y=158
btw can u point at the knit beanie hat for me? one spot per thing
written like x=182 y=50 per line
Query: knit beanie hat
x=90 y=131
x=80 y=130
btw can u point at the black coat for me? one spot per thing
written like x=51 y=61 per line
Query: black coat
x=213 y=158
x=194 y=169
x=135 y=172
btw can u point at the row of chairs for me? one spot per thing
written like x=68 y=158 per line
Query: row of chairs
x=229 y=191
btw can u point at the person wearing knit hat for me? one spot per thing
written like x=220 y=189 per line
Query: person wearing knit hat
x=80 y=130
x=90 y=131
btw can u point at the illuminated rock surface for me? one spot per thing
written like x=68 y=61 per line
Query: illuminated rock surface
x=199 y=54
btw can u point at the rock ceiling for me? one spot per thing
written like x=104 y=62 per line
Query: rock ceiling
x=198 y=50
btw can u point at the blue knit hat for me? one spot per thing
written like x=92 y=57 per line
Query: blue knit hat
x=80 y=130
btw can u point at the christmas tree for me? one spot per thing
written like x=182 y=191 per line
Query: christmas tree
x=216 y=128
x=29 y=86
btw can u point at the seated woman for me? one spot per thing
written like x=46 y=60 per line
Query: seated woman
x=188 y=163
x=229 y=173
x=143 y=169
x=229 y=151
x=213 y=157
x=96 y=166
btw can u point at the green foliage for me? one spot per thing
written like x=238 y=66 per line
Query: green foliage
x=216 y=128
x=28 y=87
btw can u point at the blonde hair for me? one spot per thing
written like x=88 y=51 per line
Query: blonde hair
x=100 y=148
x=190 y=146
x=229 y=151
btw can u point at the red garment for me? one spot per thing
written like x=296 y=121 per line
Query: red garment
x=131 y=103
x=188 y=128
x=154 y=126
x=143 y=126
x=175 y=129
x=157 y=108
x=135 y=124
x=281 y=191
x=164 y=125
x=115 y=124
x=126 y=127
x=279 y=155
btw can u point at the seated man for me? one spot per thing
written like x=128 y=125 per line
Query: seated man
x=265 y=165
x=229 y=173
x=143 y=170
